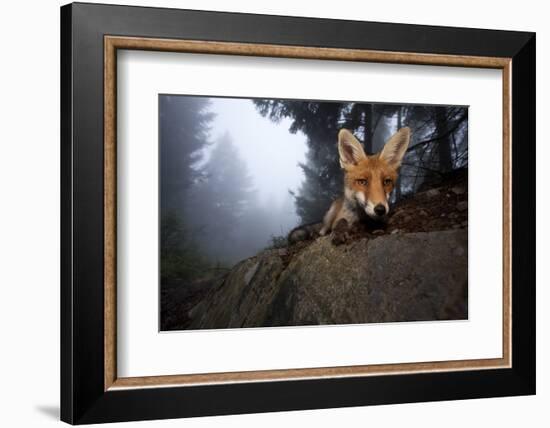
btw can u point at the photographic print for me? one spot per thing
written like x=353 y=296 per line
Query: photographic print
x=301 y=203
x=283 y=212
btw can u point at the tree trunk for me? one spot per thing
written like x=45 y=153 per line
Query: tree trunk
x=399 y=126
x=368 y=123
x=444 y=144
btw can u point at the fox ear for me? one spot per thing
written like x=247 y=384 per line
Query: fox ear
x=350 y=149
x=395 y=148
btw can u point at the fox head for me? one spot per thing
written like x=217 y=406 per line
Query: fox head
x=369 y=180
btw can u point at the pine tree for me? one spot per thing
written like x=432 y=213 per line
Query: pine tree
x=436 y=130
x=220 y=201
x=184 y=124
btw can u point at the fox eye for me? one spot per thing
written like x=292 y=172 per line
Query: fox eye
x=362 y=181
x=387 y=181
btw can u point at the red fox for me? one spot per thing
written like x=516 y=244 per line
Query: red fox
x=368 y=183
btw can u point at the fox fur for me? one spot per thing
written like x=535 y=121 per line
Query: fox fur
x=304 y=232
x=368 y=183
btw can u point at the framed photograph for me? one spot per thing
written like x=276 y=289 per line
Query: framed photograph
x=266 y=213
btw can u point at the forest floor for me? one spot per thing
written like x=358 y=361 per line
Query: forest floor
x=178 y=297
x=443 y=207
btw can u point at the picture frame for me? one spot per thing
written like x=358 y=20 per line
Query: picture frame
x=91 y=35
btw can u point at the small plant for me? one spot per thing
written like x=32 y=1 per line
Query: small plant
x=278 y=241
x=180 y=256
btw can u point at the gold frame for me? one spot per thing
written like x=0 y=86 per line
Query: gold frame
x=113 y=43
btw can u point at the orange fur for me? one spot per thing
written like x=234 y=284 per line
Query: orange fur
x=376 y=171
x=368 y=180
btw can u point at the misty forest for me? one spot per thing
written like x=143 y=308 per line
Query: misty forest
x=236 y=175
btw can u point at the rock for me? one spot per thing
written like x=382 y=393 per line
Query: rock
x=432 y=192
x=250 y=273
x=459 y=251
x=396 y=277
x=462 y=206
x=378 y=232
x=184 y=300
x=458 y=190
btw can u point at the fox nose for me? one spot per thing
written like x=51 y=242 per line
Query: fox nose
x=380 y=210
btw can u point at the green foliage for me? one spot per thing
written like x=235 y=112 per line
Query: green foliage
x=320 y=122
x=184 y=126
x=221 y=202
x=278 y=241
x=183 y=132
x=180 y=257
x=439 y=143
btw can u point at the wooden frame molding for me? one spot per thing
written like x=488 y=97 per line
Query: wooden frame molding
x=113 y=43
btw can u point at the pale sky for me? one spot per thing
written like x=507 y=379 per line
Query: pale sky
x=270 y=151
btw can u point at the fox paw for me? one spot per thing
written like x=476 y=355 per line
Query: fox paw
x=340 y=233
x=339 y=238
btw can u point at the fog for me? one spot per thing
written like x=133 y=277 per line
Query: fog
x=271 y=153
x=227 y=174
x=236 y=175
